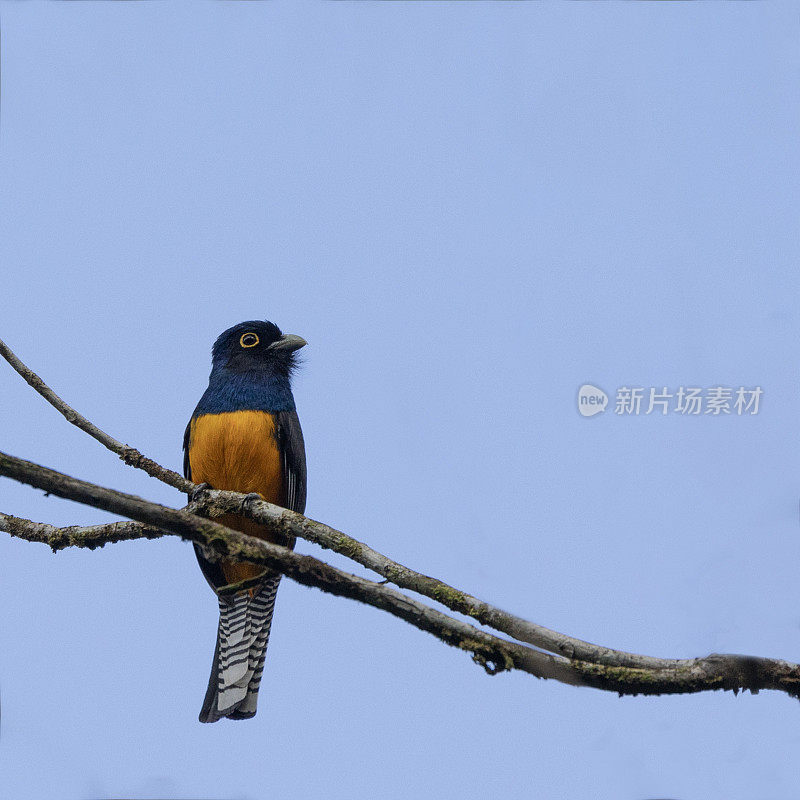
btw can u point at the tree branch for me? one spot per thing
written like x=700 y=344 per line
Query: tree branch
x=493 y=653
x=214 y=503
x=283 y=521
x=89 y=536
x=578 y=662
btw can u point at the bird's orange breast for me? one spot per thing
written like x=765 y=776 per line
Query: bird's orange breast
x=238 y=451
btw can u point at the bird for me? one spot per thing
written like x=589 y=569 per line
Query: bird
x=245 y=436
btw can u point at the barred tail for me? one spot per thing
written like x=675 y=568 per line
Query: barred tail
x=242 y=637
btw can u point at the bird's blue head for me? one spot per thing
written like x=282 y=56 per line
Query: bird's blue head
x=251 y=364
x=256 y=346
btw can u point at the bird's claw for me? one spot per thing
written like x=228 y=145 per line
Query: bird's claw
x=250 y=498
x=198 y=491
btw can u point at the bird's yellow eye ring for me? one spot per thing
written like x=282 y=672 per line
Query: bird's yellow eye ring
x=248 y=340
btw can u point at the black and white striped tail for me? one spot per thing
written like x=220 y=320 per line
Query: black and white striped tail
x=242 y=637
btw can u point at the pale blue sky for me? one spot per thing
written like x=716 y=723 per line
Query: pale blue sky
x=468 y=211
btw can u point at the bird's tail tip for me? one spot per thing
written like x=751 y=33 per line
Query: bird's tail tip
x=242 y=637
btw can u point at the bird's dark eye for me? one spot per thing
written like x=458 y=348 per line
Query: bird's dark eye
x=248 y=340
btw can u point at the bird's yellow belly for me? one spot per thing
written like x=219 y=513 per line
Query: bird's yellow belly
x=238 y=451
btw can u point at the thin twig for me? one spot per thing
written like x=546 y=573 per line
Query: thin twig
x=130 y=455
x=90 y=536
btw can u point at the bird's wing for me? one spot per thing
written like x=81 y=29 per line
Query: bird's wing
x=293 y=454
x=187 y=468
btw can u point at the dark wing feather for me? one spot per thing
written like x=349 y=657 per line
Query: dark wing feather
x=187 y=468
x=293 y=453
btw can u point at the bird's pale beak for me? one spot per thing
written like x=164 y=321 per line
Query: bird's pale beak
x=288 y=343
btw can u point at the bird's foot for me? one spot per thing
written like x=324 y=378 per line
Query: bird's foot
x=197 y=493
x=250 y=498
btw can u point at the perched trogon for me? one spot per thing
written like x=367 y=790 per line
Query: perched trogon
x=244 y=436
